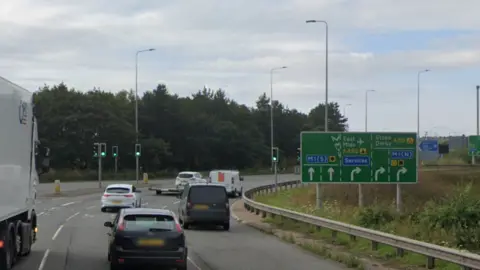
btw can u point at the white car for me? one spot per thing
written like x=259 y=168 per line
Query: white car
x=121 y=196
x=184 y=178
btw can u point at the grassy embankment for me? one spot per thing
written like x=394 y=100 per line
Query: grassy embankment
x=89 y=175
x=443 y=208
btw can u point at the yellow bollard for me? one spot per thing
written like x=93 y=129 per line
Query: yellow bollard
x=57 y=186
x=145 y=178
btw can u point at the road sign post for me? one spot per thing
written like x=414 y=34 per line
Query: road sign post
x=473 y=147
x=358 y=158
x=275 y=156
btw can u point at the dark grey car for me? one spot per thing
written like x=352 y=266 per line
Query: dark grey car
x=204 y=204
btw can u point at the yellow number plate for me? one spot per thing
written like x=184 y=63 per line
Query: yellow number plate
x=200 y=206
x=116 y=202
x=151 y=242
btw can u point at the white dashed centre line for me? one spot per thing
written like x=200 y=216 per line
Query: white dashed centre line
x=57 y=232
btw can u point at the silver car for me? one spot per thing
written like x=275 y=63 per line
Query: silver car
x=121 y=196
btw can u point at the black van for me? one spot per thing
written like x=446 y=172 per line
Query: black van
x=204 y=203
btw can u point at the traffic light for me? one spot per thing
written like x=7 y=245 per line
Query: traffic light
x=298 y=155
x=95 y=150
x=103 y=149
x=115 y=151
x=138 y=150
x=275 y=154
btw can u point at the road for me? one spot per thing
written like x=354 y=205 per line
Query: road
x=72 y=237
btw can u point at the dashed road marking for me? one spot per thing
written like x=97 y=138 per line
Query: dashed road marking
x=72 y=216
x=44 y=259
x=68 y=203
x=164 y=207
x=193 y=263
x=57 y=232
x=176 y=202
x=41 y=213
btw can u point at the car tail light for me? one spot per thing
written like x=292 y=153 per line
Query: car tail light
x=128 y=195
x=106 y=195
x=121 y=225
x=189 y=205
x=178 y=227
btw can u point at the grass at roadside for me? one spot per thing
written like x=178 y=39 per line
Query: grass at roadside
x=89 y=175
x=443 y=208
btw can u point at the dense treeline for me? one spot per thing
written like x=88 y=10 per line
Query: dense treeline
x=204 y=131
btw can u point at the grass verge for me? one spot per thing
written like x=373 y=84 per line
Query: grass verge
x=443 y=208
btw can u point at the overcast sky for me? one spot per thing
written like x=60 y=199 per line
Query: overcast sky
x=374 y=44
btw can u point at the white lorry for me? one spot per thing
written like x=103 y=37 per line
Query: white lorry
x=231 y=179
x=21 y=160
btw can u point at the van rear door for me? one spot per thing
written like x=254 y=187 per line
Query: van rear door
x=212 y=199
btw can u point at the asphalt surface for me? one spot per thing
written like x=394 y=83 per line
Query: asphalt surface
x=71 y=236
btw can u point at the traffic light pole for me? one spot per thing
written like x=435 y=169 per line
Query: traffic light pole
x=116 y=165
x=275 y=156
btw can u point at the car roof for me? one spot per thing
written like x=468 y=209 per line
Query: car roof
x=147 y=211
x=120 y=186
x=192 y=172
x=206 y=185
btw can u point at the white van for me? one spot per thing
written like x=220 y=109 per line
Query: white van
x=231 y=179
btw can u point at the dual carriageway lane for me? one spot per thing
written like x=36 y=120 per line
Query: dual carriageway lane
x=72 y=237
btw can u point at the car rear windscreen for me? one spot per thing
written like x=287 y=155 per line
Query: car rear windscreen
x=146 y=222
x=185 y=175
x=207 y=194
x=120 y=190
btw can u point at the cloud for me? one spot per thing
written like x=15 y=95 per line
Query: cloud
x=373 y=44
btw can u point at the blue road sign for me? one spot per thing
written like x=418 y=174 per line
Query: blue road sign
x=356 y=161
x=429 y=145
x=317 y=159
x=401 y=154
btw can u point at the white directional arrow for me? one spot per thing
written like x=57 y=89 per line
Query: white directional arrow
x=357 y=170
x=379 y=171
x=310 y=172
x=403 y=170
x=330 y=172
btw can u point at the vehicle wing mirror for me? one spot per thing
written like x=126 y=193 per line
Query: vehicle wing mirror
x=108 y=224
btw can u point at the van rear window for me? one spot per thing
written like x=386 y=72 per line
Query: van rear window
x=207 y=194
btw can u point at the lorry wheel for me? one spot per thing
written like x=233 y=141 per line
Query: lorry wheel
x=158 y=192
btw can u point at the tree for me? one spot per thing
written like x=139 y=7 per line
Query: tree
x=203 y=131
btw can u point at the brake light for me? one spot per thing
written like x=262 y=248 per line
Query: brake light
x=178 y=227
x=106 y=195
x=128 y=195
x=121 y=225
x=1 y=244
x=189 y=205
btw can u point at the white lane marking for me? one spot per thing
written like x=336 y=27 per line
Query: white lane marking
x=144 y=204
x=44 y=259
x=68 y=203
x=90 y=207
x=41 y=213
x=164 y=207
x=72 y=216
x=194 y=264
x=176 y=202
x=57 y=232
x=53 y=208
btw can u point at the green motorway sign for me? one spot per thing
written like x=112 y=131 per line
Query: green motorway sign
x=358 y=157
x=474 y=145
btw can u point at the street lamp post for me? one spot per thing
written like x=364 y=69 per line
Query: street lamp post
x=274 y=166
x=318 y=191
x=360 y=186
x=136 y=107
x=345 y=109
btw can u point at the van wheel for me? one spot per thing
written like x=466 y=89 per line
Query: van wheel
x=186 y=225
x=226 y=226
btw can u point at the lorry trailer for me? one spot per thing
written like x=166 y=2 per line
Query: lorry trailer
x=22 y=159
